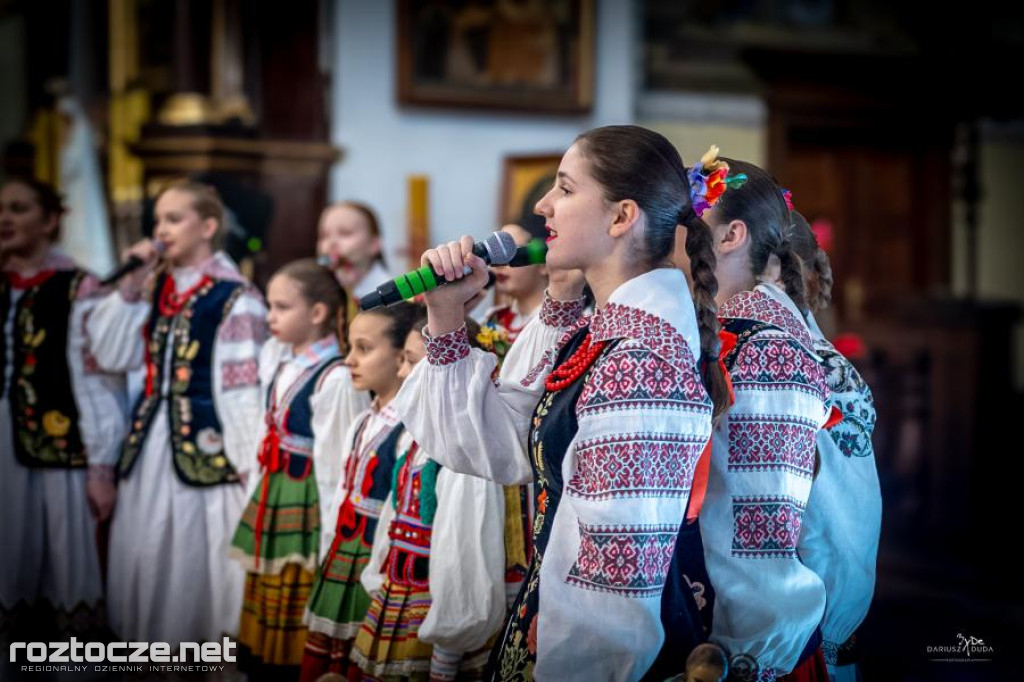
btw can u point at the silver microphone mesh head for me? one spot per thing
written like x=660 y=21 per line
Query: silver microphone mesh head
x=501 y=247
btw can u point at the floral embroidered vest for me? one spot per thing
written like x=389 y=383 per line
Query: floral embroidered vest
x=197 y=442
x=43 y=409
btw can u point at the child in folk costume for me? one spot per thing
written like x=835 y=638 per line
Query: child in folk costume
x=59 y=422
x=194 y=434
x=839 y=537
x=613 y=413
x=768 y=603
x=310 y=404
x=523 y=289
x=338 y=602
x=436 y=575
x=350 y=243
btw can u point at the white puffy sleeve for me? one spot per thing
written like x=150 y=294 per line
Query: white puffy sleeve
x=457 y=413
x=467 y=565
x=114 y=327
x=759 y=482
x=236 y=382
x=99 y=395
x=336 y=404
x=840 y=533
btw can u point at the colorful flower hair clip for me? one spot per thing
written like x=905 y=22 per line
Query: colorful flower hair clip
x=788 y=197
x=709 y=179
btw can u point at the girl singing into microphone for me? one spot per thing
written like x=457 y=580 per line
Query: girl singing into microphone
x=195 y=327
x=606 y=413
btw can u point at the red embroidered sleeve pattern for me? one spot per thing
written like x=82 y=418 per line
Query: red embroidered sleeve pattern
x=447 y=348
x=774 y=443
x=243 y=327
x=560 y=313
x=237 y=374
x=630 y=561
x=757 y=305
x=633 y=377
x=635 y=465
x=769 y=362
x=766 y=526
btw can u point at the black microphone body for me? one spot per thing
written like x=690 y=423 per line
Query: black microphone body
x=131 y=265
x=498 y=249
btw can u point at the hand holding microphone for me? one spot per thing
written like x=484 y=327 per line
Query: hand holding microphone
x=137 y=259
x=446 y=304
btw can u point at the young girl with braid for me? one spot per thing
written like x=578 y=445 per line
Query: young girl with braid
x=768 y=603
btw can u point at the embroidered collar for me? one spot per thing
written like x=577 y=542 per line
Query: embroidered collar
x=388 y=414
x=654 y=309
x=767 y=303
x=317 y=352
x=219 y=266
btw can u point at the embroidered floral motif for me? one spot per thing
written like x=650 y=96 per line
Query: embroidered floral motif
x=209 y=441
x=560 y=313
x=772 y=362
x=758 y=443
x=447 y=348
x=649 y=331
x=56 y=424
x=635 y=465
x=853 y=398
x=766 y=527
x=630 y=561
x=631 y=377
x=757 y=305
x=240 y=374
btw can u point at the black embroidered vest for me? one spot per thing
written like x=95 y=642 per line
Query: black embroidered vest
x=43 y=410
x=197 y=441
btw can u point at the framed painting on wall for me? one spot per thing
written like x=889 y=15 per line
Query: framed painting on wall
x=524 y=55
x=525 y=179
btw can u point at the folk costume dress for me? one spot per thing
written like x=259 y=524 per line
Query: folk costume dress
x=612 y=448
x=310 y=404
x=436 y=576
x=60 y=423
x=338 y=604
x=193 y=438
x=768 y=603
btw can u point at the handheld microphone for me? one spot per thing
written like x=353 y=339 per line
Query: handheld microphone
x=534 y=253
x=131 y=265
x=498 y=249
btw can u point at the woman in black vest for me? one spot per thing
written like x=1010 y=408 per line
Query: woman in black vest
x=57 y=414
